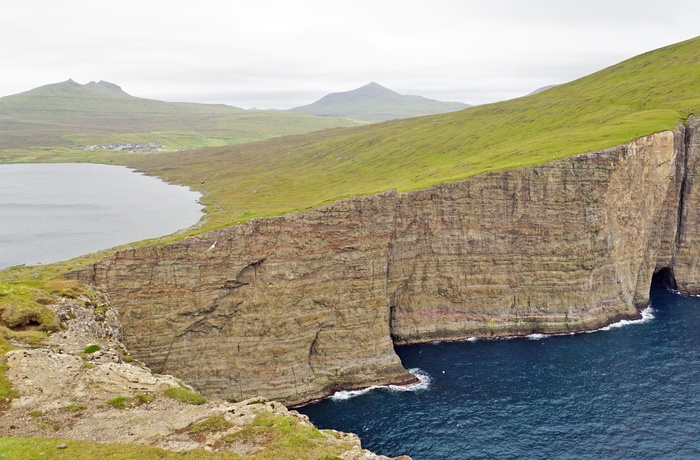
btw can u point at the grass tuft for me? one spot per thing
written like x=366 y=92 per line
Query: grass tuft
x=214 y=423
x=7 y=393
x=73 y=407
x=185 y=395
x=91 y=349
x=141 y=398
x=120 y=402
x=25 y=293
x=285 y=437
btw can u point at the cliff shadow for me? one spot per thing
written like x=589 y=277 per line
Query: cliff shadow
x=665 y=278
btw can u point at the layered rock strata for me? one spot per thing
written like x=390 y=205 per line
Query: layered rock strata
x=297 y=306
x=105 y=397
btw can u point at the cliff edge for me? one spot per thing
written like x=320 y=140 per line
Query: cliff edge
x=298 y=306
x=81 y=384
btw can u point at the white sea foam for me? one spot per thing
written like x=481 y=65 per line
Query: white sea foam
x=647 y=315
x=343 y=395
x=423 y=383
x=536 y=336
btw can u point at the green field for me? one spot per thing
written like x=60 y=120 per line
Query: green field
x=651 y=92
x=49 y=121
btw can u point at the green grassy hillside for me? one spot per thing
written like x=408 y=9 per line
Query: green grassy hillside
x=648 y=93
x=374 y=102
x=70 y=115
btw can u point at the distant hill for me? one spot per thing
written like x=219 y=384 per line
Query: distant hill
x=539 y=90
x=69 y=114
x=373 y=102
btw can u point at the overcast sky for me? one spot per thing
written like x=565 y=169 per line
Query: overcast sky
x=281 y=54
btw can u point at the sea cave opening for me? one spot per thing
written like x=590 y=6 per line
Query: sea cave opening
x=665 y=278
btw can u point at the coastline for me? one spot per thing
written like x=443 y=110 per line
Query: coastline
x=424 y=379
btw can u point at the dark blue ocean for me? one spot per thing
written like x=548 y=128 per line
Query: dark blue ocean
x=625 y=392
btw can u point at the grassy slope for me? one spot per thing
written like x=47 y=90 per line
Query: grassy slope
x=648 y=93
x=35 y=448
x=274 y=437
x=69 y=115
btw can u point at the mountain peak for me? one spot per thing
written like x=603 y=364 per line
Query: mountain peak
x=374 y=85
x=105 y=85
x=374 y=102
x=71 y=88
x=373 y=88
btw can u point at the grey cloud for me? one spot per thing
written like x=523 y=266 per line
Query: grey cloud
x=272 y=53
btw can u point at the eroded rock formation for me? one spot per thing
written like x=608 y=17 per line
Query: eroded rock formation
x=105 y=397
x=297 y=306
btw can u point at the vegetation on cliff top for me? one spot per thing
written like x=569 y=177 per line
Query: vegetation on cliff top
x=651 y=92
x=270 y=436
x=648 y=93
x=33 y=448
x=24 y=316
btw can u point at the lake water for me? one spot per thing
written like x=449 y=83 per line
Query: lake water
x=54 y=212
x=627 y=392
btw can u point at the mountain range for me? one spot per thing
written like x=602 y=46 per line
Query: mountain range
x=69 y=114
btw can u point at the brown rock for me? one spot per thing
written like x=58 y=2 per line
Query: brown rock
x=61 y=397
x=685 y=264
x=298 y=306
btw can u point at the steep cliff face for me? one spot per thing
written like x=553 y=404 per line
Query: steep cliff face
x=560 y=247
x=297 y=306
x=293 y=306
x=685 y=264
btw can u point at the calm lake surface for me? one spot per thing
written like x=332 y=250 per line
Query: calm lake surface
x=54 y=212
x=628 y=392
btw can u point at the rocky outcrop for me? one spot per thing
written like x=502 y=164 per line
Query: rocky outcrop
x=107 y=397
x=297 y=306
